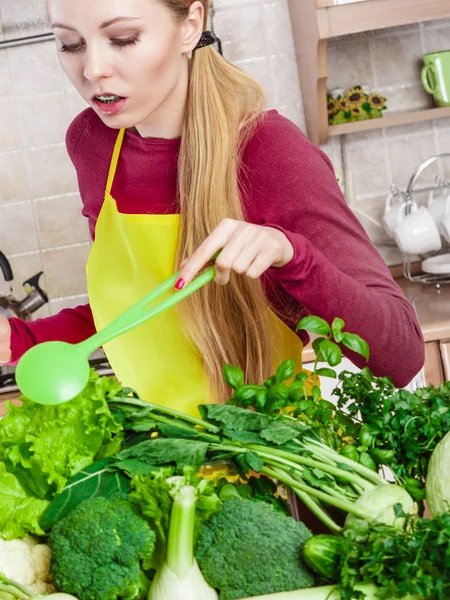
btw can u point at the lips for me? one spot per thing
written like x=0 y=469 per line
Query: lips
x=108 y=104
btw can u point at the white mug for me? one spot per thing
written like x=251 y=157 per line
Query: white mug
x=445 y=225
x=416 y=232
x=392 y=214
x=439 y=208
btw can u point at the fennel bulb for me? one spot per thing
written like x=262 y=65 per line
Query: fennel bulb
x=179 y=577
x=378 y=505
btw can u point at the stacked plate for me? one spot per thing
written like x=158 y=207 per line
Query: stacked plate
x=437 y=264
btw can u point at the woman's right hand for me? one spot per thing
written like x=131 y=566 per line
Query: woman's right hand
x=5 y=340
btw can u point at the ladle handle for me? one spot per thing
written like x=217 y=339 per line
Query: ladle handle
x=141 y=311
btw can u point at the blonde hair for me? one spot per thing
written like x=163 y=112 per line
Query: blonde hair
x=228 y=324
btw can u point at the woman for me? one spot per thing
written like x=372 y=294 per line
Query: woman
x=192 y=164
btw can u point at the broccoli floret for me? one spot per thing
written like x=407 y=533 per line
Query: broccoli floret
x=99 y=550
x=249 y=549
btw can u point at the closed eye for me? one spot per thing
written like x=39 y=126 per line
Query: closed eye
x=116 y=42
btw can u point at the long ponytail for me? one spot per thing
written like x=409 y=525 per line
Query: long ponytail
x=228 y=324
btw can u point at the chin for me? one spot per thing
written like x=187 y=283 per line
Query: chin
x=119 y=121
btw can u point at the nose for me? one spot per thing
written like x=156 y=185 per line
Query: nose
x=96 y=64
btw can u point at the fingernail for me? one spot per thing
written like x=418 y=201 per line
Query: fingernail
x=180 y=284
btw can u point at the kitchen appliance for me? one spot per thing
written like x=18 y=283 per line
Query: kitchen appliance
x=35 y=296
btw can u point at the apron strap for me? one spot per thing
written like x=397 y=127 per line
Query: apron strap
x=114 y=160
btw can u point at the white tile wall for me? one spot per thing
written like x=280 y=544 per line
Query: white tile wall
x=37 y=103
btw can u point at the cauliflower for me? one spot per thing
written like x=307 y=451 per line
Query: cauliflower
x=27 y=562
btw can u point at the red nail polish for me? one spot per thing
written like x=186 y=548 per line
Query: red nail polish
x=180 y=284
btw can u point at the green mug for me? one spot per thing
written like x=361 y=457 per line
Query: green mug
x=436 y=76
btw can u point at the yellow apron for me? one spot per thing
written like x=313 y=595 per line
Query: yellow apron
x=131 y=254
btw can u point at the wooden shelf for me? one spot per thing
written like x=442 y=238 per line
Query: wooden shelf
x=390 y=120
x=345 y=19
x=314 y=22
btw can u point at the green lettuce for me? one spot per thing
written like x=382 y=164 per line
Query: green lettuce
x=41 y=447
x=19 y=512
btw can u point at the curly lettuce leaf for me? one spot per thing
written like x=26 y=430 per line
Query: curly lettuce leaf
x=44 y=446
x=19 y=512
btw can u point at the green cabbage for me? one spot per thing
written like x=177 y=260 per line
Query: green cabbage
x=438 y=479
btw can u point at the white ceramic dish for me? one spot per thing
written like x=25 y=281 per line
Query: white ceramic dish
x=437 y=264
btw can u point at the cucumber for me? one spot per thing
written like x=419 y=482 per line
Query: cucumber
x=322 y=554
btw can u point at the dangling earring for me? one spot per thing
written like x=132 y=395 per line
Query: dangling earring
x=189 y=55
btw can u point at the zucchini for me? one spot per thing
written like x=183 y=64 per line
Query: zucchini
x=322 y=554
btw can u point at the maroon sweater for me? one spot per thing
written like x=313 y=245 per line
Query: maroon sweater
x=289 y=184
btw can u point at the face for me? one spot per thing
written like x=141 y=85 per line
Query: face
x=127 y=58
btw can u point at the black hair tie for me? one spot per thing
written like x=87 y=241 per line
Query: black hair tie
x=207 y=38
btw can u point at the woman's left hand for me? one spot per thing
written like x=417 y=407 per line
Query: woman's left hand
x=245 y=248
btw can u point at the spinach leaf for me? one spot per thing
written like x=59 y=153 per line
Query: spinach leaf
x=161 y=451
x=237 y=418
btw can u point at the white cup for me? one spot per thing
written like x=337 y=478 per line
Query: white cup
x=439 y=208
x=445 y=225
x=416 y=232
x=392 y=214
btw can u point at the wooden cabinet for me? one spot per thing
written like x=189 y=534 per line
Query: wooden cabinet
x=314 y=22
x=437 y=362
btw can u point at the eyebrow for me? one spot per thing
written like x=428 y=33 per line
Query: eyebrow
x=102 y=26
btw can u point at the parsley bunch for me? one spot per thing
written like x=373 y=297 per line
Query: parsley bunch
x=414 y=561
x=403 y=427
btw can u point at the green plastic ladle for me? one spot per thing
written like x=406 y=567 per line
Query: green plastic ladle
x=56 y=372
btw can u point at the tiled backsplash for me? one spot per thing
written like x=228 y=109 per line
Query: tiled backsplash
x=40 y=222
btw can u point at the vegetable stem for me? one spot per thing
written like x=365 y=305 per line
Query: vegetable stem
x=8 y=586
x=180 y=545
x=288 y=458
x=321 y=450
x=318 y=511
x=165 y=411
x=338 y=503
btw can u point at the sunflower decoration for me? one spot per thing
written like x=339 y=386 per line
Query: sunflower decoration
x=355 y=97
x=355 y=105
x=333 y=106
x=344 y=105
x=376 y=102
x=358 y=114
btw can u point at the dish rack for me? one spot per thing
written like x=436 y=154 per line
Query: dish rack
x=407 y=197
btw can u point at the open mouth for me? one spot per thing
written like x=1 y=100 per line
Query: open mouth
x=109 y=104
x=108 y=98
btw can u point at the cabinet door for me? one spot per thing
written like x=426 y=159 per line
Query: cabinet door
x=445 y=356
x=433 y=371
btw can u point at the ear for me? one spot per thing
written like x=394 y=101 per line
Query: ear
x=193 y=27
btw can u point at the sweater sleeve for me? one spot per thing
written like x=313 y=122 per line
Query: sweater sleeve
x=336 y=271
x=71 y=325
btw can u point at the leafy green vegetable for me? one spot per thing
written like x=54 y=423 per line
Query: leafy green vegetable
x=317 y=474
x=19 y=512
x=401 y=429
x=152 y=494
x=161 y=451
x=414 y=561
x=44 y=446
x=95 y=480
